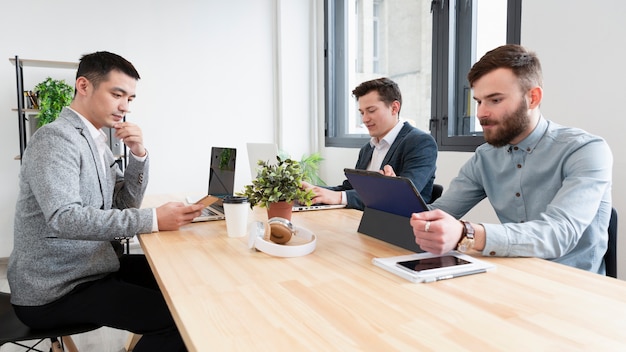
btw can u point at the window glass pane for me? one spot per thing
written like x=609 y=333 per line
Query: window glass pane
x=423 y=45
x=390 y=38
x=479 y=28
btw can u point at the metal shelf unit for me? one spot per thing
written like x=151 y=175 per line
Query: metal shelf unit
x=19 y=79
x=119 y=150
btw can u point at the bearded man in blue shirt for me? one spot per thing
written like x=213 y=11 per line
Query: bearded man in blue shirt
x=549 y=185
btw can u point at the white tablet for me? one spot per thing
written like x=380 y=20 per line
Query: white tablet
x=428 y=267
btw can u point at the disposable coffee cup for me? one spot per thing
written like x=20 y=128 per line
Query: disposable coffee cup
x=236 y=211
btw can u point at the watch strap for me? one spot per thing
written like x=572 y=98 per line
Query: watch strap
x=466 y=241
x=468 y=229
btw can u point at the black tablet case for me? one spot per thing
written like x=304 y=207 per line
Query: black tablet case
x=389 y=203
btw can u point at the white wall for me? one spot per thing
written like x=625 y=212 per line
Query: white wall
x=211 y=72
x=208 y=78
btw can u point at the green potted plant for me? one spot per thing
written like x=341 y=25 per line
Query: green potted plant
x=52 y=95
x=277 y=183
x=310 y=165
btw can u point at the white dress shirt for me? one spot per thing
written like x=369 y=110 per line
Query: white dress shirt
x=102 y=143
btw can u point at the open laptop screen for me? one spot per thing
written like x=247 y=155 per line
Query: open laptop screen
x=261 y=151
x=222 y=171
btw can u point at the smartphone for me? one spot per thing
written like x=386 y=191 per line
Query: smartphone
x=207 y=200
x=432 y=263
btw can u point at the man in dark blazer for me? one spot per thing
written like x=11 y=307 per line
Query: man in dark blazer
x=395 y=148
x=74 y=201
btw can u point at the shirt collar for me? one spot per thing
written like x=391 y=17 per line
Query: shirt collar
x=389 y=137
x=530 y=142
x=96 y=134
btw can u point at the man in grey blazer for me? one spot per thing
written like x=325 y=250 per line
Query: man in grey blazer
x=74 y=200
x=395 y=147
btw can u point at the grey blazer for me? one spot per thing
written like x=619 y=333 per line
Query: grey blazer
x=68 y=210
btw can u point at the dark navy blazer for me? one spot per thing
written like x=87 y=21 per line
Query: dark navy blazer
x=413 y=155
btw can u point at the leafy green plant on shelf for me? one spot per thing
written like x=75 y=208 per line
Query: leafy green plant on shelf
x=52 y=95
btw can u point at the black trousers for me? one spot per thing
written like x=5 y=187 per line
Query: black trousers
x=129 y=299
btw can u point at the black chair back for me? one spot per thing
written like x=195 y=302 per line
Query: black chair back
x=610 y=257
x=437 y=191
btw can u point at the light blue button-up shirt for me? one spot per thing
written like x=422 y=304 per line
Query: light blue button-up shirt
x=551 y=193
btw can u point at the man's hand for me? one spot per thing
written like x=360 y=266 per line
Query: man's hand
x=173 y=215
x=323 y=195
x=388 y=171
x=132 y=136
x=436 y=231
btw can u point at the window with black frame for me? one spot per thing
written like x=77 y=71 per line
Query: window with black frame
x=427 y=47
x=368 y=39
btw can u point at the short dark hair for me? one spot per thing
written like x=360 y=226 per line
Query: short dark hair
x=387 y=90
x=96 y=67
x=524 y=64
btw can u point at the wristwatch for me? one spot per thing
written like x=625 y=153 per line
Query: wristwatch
x=467 y=238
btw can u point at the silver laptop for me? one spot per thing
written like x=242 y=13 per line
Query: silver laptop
x=261 y=151
x=221 y=182
x=319 y=206
x=268 y=152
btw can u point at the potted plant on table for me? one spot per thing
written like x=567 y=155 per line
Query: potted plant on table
x=277 y=186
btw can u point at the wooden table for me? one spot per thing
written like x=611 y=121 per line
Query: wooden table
x=226 y=297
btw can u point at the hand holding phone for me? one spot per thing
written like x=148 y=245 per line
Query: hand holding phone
x=207 y=200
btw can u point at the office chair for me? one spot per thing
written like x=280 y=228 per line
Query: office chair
x=12 y=330
x=610 y=257
x=437 y=191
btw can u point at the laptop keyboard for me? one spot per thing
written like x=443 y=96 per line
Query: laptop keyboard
x=210 y=212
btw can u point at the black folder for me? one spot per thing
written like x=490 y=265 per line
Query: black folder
x=389 y=202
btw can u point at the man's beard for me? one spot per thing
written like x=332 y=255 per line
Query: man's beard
x=512 y=125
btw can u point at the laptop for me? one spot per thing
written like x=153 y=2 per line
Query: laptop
x=389 y=202
x=268 y=152
x=317 y=206
x=221 y=182
x=261 y=151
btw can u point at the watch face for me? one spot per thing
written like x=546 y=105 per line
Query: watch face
x=465 y=245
